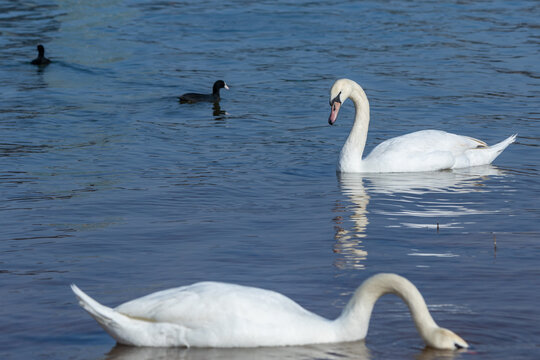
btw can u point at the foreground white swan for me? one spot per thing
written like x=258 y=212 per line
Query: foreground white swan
x=212 y=314
x=426 y=150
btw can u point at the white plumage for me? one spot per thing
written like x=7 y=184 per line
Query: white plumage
x=425 y=150
x=212 y=314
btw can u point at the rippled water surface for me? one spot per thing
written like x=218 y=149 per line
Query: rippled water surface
x=108 y=182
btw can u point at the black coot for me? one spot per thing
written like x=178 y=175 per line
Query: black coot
x=41 y=59
x=213 y=97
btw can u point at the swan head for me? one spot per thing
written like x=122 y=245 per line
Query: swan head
x=444 y=339
x=340 y=91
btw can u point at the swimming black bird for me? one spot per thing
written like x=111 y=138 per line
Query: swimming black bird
x=213 y=97
x=41 y=59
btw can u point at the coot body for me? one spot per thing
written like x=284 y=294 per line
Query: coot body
x=213 y=97
x=41 y=59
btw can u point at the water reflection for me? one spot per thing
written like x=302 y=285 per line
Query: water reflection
x=40 y=69
x=348 y=242
x=435 y=354
x=217 y=112
x=350 y=350
x=451 y=181
x=403 y=194
x=353 y=350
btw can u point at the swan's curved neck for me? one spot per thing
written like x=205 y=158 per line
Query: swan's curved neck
x=354 y=320
x=354 y=145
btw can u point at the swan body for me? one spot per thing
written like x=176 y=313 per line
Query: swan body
x=425 y=150
x=213 y=314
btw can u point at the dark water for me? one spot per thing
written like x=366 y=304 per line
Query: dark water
x=108 y=182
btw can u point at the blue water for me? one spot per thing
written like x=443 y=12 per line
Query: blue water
x=108 y=182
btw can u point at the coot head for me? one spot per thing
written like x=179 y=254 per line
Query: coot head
x=220 y=84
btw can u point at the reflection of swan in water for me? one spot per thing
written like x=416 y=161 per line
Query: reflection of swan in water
x=358 y=188
x=464 y=180
x=437 y=197
x=349 y=241
x=435 y=354
x=348 y=350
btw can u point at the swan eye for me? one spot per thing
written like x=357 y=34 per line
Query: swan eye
x=336 y=99
x=457 y=346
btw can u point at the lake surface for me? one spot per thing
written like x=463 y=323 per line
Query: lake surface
x=108 y=182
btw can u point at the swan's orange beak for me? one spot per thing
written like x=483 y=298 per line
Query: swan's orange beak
x=334 y=112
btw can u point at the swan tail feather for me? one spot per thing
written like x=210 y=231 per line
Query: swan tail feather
x=91 y=306
x=499 y=147
x=132 y=330
x=115 y=323
x=483 y=155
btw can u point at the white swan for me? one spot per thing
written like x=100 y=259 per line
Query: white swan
x=212 y=314
x=425 y=150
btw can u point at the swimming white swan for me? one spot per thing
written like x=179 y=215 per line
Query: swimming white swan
x=212 y=314
x=425 y=150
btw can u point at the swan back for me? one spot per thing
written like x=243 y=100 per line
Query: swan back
x=215 y=301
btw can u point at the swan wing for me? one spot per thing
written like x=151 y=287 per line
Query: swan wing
x=424 y=150
x=220 y=314
x=426 y=141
